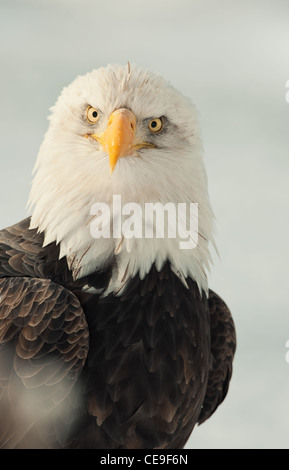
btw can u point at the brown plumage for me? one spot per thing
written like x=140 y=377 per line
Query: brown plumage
x=78 y=370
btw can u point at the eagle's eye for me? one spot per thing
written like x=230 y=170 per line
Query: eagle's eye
x=92 y=115
x=156 y=125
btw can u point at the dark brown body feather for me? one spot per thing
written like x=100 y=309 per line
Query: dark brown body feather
x=84 y=371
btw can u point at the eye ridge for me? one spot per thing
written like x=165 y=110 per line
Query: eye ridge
x=92 y=114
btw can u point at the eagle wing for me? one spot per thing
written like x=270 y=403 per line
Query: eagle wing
x=43 y=347
x=223 y=346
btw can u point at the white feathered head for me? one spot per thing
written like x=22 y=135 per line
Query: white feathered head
x=123 y=131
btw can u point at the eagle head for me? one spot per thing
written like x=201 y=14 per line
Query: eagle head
x=121 y=131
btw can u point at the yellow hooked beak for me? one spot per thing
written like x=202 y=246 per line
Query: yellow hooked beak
x=119 y=136
x=118 y=140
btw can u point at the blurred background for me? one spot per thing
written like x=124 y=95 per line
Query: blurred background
x=231 y=57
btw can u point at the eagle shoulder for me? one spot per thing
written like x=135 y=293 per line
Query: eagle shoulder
x=43 y=347
x=223 y=347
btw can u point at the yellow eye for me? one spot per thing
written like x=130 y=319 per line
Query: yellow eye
x=156 y=125
x=92 y=115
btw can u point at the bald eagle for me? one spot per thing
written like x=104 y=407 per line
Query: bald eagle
x=112 y=339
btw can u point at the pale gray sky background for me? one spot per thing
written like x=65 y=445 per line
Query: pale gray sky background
x=232 y=58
